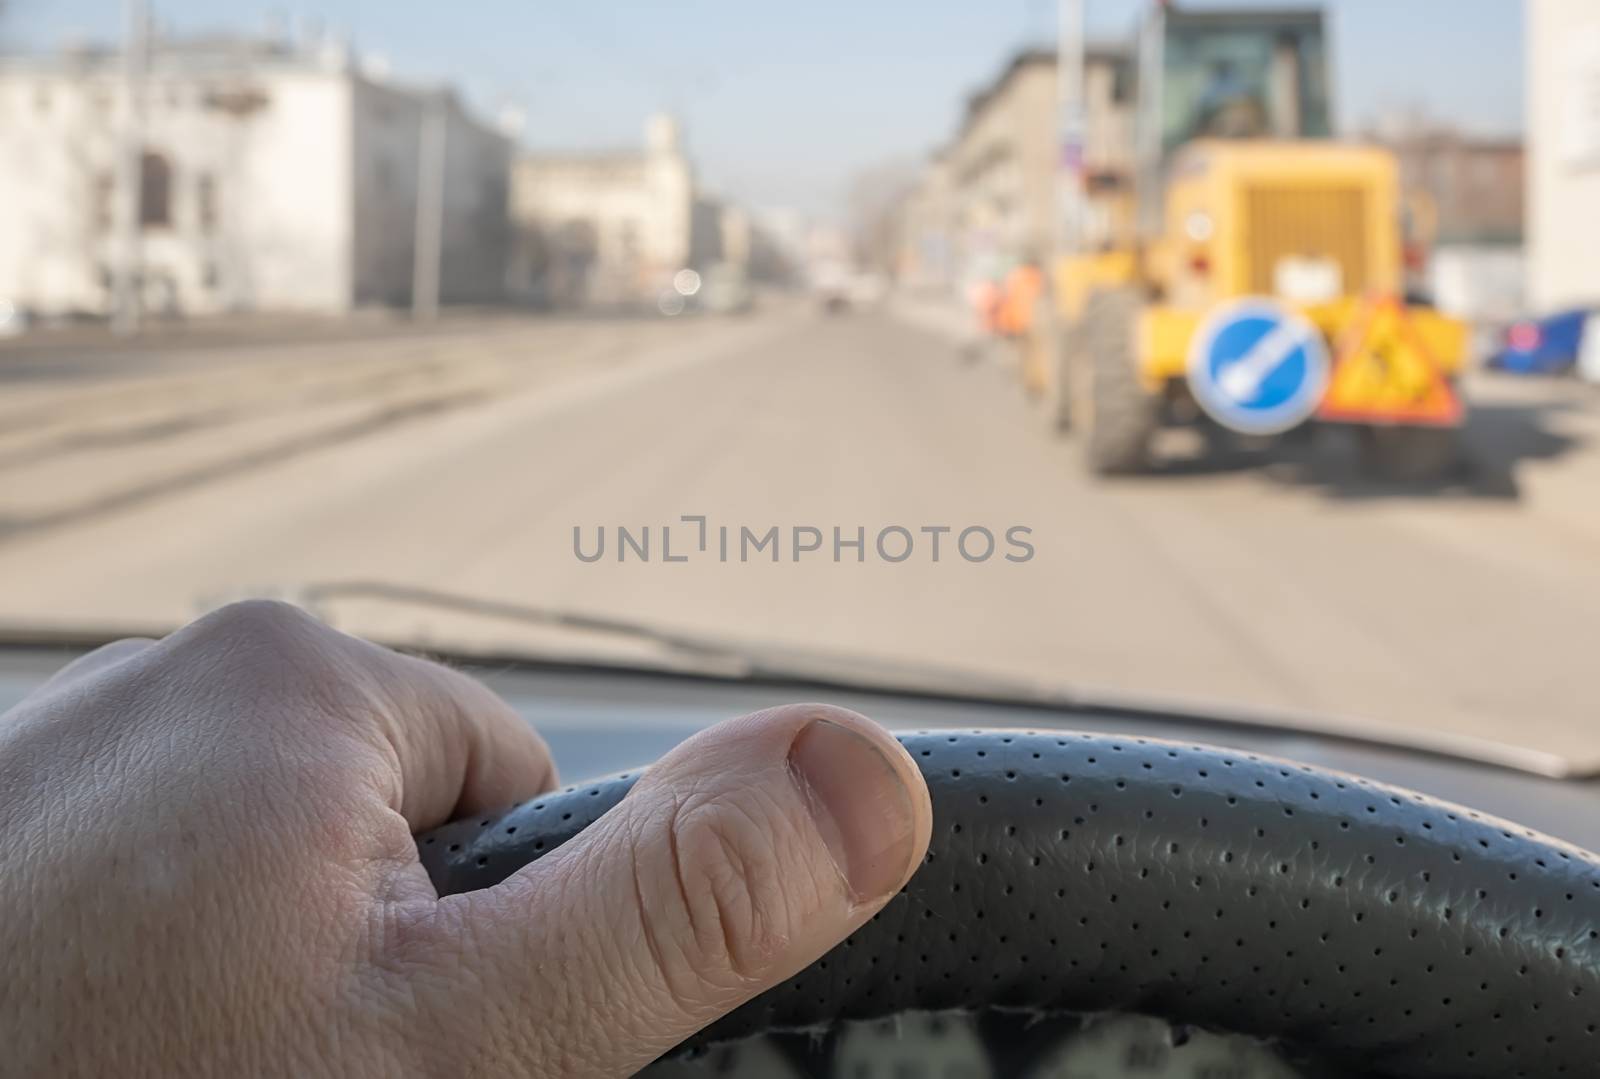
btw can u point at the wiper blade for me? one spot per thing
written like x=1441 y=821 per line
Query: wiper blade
x=725 y=659
x=707 y=655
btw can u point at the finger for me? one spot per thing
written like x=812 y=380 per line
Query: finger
x=462 y=749
x=91 y=663
x=449 y=745
x=742 y=856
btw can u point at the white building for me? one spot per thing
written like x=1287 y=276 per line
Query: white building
x=605 y=226
x=1563 y=158
x=274 y=177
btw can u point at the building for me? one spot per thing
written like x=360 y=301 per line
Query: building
x=1003 y=161
x=606 y=226
x=274 y=176
x=1471 y=188
x=1563 y=130
x=993 y=192
x=1465 y=211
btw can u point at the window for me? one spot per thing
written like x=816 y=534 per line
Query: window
x=104 y=202
x=205 y=197
x=155 y=191
x=1217 y=77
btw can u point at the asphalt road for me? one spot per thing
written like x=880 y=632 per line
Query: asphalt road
x=464 y=459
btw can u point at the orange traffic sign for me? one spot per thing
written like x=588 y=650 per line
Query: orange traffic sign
x=1383 y=372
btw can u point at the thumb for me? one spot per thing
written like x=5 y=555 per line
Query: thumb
x=746 y=853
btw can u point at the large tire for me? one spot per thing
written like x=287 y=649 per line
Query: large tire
x=1111 y=412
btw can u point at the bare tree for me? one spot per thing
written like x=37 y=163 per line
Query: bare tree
x=875 y=199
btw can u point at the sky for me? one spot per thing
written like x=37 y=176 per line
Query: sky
x=783 y=103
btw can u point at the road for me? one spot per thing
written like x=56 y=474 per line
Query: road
x=464 y=459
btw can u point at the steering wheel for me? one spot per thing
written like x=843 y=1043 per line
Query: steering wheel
x=1360 y=925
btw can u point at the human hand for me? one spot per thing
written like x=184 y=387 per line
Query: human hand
x=207 y=867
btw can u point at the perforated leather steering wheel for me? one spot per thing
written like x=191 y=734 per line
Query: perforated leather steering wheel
x=1365 y=926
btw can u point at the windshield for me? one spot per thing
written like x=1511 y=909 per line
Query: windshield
x=1200 y=353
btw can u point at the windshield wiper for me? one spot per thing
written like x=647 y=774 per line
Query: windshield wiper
x=723 y=658
x=704 y=656
x=765 y=661
x=695 y=653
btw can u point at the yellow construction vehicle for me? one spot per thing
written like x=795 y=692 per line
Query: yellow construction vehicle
x=1259 y=283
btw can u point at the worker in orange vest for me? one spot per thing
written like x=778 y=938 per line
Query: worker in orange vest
x=1021 y=291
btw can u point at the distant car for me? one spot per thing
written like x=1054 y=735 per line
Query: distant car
x=840 y=288
x=1544 y=346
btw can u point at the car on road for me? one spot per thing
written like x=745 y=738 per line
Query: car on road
x=840 y=287
x=1549 y=345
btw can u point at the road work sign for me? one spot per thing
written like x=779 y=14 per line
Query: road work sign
x=1385 y=374
x=1258 y=368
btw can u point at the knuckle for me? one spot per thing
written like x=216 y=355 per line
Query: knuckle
x=731 y=912
x=268 y=655
x=260 y=619
x=256 y=633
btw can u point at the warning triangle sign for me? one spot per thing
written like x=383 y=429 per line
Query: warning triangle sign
x=1384 y=373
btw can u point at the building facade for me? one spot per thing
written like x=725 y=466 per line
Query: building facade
x=1563 y=127
x=1465 y=214
x=272 y=177
x=605 y=227
x=1003 y=161
x=993 y=194
x=1472 y=187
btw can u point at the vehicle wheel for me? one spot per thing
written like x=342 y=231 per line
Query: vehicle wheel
x=1410 y=454
x=1109 y=410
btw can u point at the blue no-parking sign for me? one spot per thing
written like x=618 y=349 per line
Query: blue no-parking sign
x=1258 y=368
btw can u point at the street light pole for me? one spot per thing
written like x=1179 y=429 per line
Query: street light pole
x=1072 y=123
x=126 y=299
x=429 y=247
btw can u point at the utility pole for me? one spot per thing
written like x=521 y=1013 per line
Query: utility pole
x=429 y=246
x=128 y=274
x=1072 y=121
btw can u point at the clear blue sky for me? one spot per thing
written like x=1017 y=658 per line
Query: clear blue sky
x=784 y=102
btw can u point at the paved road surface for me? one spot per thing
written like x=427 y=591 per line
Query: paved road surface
x=464 y=461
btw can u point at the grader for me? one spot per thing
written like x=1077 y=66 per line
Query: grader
x=1253 y=276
